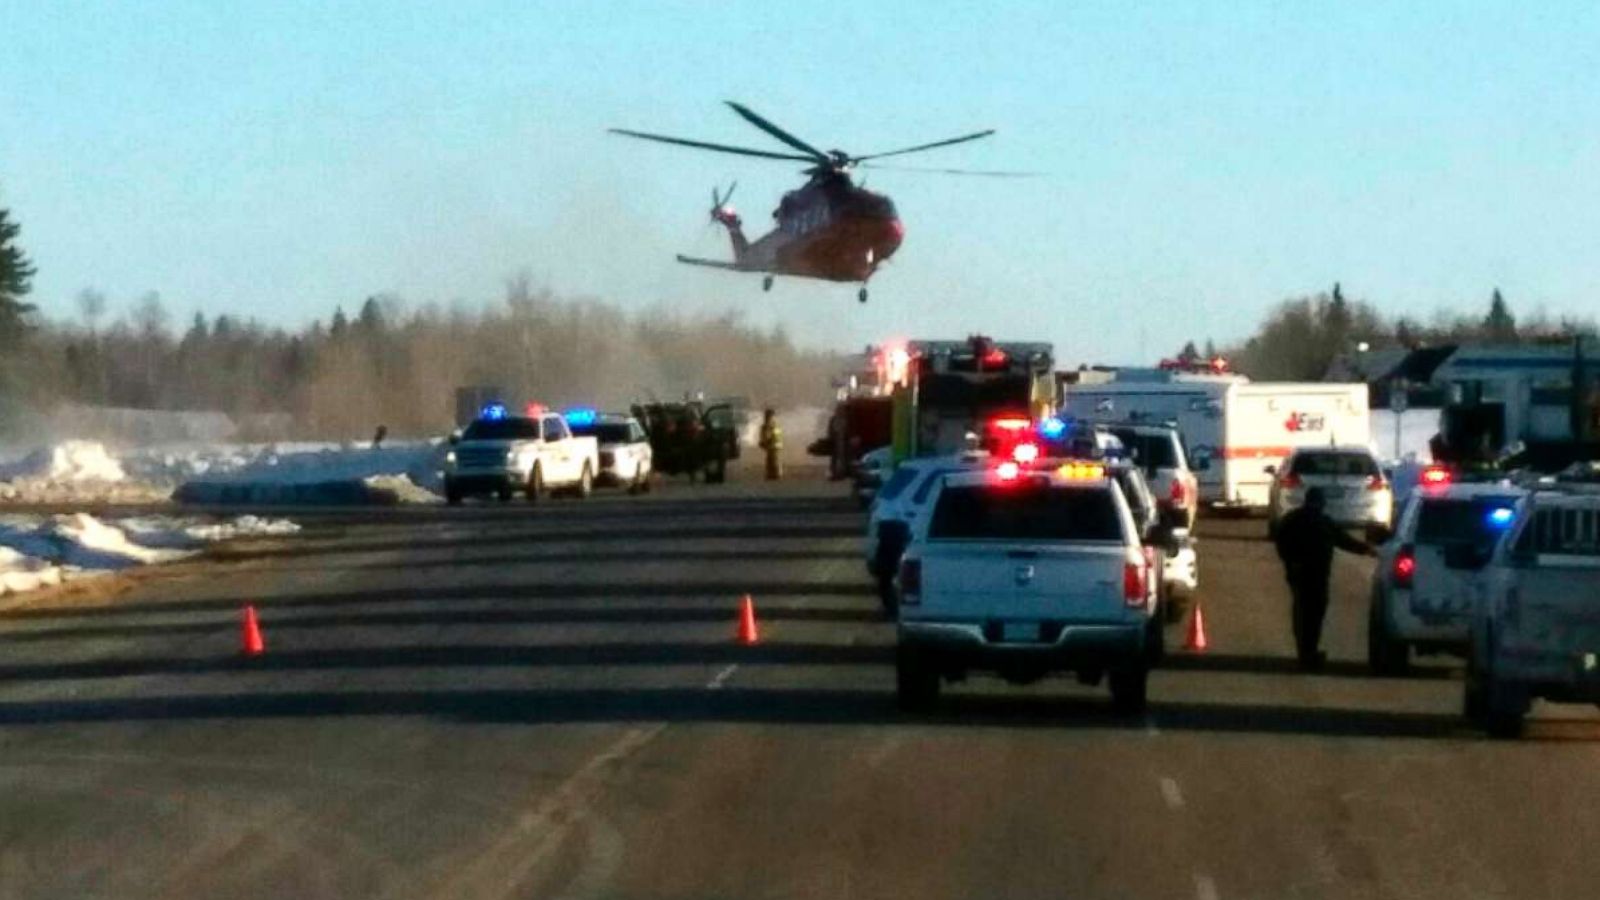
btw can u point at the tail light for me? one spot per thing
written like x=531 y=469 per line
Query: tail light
x=910 y=581
x=1404 y=569
x=1177 y=492
x=1289 y=480
x=1133 y=592
x=1435 y=476
x=1376 y=483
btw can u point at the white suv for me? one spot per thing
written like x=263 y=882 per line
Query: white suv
x=1352 y=482
x=625 y=456
x=1419 y=600
x=1159 y=451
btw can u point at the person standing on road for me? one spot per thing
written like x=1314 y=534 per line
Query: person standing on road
x=771 y=443
x=1306 y=540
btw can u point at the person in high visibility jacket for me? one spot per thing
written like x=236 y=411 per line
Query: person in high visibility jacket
x=771 y=443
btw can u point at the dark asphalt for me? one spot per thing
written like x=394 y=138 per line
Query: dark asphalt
x=546 y=702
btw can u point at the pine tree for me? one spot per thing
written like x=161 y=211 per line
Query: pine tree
x=1189 y=353
x=1499 y=325
x=340 y=325
x=16 y=279
x=1211 y=349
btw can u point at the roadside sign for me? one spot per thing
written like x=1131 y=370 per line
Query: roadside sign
x=1398 y=400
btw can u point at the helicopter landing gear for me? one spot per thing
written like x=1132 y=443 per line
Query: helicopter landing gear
x=766 y=283
x=861 y=296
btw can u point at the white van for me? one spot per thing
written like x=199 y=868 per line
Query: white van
x=1234 y=429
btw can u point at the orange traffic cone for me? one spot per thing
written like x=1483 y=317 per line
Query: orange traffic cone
x=1196 y=639
x=747 y=633
x=251 y=643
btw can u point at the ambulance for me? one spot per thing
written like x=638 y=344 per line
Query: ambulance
x=1236 y=431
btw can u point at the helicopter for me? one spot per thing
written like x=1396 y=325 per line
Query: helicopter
x=830 y=228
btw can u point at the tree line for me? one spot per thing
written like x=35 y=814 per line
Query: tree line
x=1300 y=338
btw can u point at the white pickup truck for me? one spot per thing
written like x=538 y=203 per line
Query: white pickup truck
x=1025 y=574
x=1535 y=629
x=502 y=454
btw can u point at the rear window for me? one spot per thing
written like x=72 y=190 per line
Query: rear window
x=501 y=430
x=897 y=483
x=1334 y=464
x=1457 y=521
x=605 y=433
x=1134 y=491
x=1154 y=451
x=1025 y=512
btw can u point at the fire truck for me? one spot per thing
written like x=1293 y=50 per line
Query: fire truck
x=952 y=394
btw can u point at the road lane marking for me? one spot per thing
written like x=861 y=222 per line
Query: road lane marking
x=716 y=683
x=881 y=753
x=1171 y=793
x=1205 y=888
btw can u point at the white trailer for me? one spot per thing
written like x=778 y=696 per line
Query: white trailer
x=1233 y=428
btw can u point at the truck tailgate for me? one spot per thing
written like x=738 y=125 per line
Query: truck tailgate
x=964 y=579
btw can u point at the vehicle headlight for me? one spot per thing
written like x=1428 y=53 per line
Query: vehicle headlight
x=450 y=457
x=511 y=456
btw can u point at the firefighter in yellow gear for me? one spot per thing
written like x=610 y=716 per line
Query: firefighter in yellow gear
x=771 y=443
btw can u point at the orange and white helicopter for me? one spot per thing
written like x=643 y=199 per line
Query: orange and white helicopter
x=829 y=228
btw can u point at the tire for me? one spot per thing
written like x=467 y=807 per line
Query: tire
x=887 y=598
x=1155 y=641
x=1130 y=689
x=1272 y=528
x=452 y=493
x=916 y=683
x=1385 y=655
x=504 y=493
x=585 y=485
x=535 y=488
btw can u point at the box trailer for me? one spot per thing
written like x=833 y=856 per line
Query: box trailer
x=1233 y=428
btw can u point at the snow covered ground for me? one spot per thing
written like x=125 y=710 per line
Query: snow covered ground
x=88 y=471
x=38 y=551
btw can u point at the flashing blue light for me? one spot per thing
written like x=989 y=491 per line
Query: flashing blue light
x=493 y=412
x=582 y=416
x=1052 y=427
x=1501 y=516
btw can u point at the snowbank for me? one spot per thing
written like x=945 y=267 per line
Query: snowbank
x=38 y=551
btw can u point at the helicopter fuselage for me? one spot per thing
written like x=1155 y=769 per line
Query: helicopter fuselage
x=828 y=229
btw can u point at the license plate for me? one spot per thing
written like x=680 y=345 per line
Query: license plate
x=1019 y=631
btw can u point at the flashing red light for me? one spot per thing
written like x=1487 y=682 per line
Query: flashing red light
x=1435 y=476
x=1405 y=567
x=1011 y=423
x=1008 y=470
x=1025 y=452
x=1376 y=483
x=995 y=357
x=534 y=409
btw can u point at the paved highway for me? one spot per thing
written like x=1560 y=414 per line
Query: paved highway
x=510 y=702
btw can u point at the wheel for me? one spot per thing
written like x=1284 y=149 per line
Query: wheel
x=1129 y=689
x=1155 y=642
x=1177 y=606
x=1272 y=528
x=916 y=683
x=535 y=488
x=1385 y=655
x=585 y=483
x=1472 y=696
x=503 y=493
x=861 y=296
x=718 y=472
x=766 y=283
x=452 y=493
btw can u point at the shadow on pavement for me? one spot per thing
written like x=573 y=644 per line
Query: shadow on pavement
x=499 y=591
x=1287 y=665
x=774 y=707
x=636 y=555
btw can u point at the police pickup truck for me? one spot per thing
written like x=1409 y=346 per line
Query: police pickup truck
x=1023 y=574
x=502 y=454
x=1535 y=630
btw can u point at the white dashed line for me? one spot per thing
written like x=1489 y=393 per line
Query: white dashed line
x=1171 y=793
x=1205 y=888
x=722 y=678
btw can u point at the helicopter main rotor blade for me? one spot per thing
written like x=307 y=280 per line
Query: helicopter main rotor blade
x=756 y=120
x=985 y=173
x=921 y=147
x=706 y=145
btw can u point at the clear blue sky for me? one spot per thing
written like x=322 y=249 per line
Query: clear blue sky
x=1207 y=160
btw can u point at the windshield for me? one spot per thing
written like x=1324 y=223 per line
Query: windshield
x=1023 y=512
x=501 y=430
x=1334 y=464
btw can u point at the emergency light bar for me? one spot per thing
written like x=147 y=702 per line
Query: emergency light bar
x=581 y=416
x=1077 y=471
x=1435 y=476
x=494 y=412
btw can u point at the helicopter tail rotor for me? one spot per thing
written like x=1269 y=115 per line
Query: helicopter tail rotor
x=720 y=210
